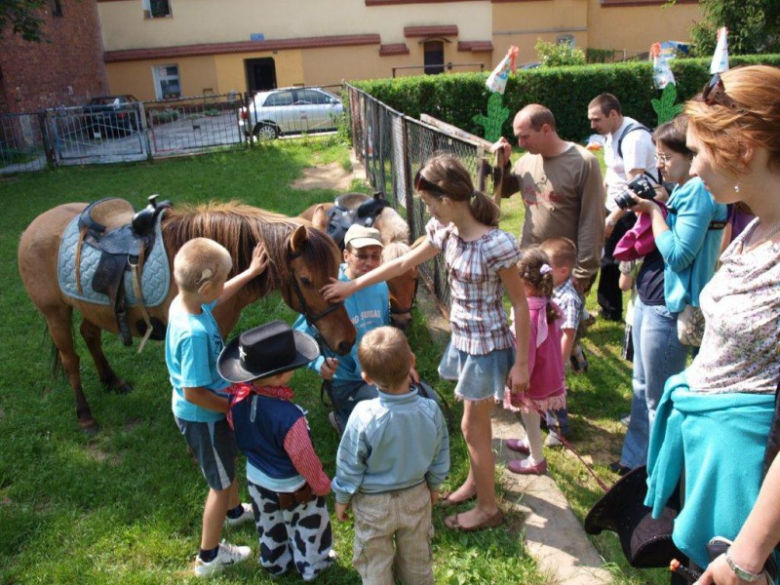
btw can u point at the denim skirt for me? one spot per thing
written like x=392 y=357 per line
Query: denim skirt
x=478 y=377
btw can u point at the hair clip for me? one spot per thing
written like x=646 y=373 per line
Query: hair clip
x=474 y=193
x=205 y=276
x=545 y=269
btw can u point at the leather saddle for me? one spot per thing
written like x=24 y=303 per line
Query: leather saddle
x=124 y=237
x=354 y=208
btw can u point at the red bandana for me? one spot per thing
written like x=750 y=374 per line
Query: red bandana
x=240 y=391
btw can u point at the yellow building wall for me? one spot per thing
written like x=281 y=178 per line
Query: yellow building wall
x=523 y=23
x=635 y=28
x=193 y=23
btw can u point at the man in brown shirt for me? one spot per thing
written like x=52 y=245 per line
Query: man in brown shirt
x=562 y=190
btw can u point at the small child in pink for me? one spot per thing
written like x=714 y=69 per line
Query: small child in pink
x=546 y=388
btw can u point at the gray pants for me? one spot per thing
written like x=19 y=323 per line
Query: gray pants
x=346 y=395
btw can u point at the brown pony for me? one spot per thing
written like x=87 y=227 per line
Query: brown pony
x=395 y=235
x=301 y=260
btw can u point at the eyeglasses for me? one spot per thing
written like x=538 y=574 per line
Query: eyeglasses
x=423 y=184
x=662 y=158
x=715 y=93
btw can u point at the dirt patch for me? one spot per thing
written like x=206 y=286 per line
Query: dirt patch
x=97 y=454
x=332 y=176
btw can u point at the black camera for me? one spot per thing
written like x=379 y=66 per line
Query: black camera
x=641 y=187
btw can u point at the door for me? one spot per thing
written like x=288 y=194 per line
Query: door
x=260 y=74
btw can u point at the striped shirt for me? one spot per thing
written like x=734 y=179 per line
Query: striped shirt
x=477 y=317
x=569 y=302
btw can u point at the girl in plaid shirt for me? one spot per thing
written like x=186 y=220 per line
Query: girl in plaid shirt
x=480 y=261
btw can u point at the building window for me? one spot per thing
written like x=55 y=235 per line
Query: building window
x=56 y=8
x=166 y=82
x=157 y=8
x=566 y=40
x=434 y=57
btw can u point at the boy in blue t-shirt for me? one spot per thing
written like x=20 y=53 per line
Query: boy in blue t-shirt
x=192 y=345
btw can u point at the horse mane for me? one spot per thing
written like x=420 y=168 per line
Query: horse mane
x=394 y=250
x=393 y=227
x=239 y=227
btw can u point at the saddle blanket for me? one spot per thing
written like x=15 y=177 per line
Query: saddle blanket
x=155 y=276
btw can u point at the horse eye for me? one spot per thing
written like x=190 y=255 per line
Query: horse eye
x=306 y=282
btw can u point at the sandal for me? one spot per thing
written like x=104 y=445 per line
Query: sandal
x=446 y=502
x=453 y=523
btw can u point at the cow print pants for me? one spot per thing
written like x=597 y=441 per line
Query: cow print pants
x=299 y=538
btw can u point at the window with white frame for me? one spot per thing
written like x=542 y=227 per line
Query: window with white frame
x=566 y=40
x=166 y=81
x=157 y=8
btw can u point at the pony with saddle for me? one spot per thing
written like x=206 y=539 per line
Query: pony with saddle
x=373 y=211
x=113 y=266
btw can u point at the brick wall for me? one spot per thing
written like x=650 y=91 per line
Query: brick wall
x=66 y=70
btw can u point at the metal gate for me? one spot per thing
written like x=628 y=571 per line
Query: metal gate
x=84 y=134
x=183 y=125
x=22 y=143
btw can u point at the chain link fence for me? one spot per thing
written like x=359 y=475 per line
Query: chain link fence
x=23 y=143
x=393 y=147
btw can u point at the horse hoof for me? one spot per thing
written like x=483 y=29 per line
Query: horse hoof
x=89 y=427
x=123 y=388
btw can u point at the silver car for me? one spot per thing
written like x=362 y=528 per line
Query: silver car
x=291 y=110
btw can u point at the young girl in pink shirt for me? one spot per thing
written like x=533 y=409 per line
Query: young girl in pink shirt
x=546 y=389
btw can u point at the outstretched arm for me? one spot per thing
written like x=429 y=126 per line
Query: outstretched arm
x=256 y=268
x=339 y=290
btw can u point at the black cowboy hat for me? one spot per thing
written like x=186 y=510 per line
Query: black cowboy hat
x=646 y=542
x=265 y=351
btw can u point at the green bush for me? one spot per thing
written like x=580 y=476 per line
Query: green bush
x=457 y=97
x=559 y=54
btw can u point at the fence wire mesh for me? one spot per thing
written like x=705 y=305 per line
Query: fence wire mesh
x=393 y=147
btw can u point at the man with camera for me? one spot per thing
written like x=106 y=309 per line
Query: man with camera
x=628 y=153
x=562 y=190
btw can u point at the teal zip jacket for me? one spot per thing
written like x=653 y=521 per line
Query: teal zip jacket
x=689 y=248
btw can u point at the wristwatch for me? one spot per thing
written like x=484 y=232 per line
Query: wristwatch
x=740 y=572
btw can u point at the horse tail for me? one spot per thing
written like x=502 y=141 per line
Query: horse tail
x=56 y=367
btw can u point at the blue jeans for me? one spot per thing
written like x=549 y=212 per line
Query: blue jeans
x=658 y=354
x=346 y=395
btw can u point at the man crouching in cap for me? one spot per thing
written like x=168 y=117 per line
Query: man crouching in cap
x=367 y=309
x=284 y=475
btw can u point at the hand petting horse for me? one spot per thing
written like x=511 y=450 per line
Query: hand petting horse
x=301 y=260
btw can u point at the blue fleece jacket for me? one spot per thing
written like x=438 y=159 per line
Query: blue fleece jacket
x=689 y=248
x=368 y=309
x=719 y=441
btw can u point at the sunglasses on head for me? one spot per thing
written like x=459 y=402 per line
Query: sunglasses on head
x=715 y=93
x=423 y=184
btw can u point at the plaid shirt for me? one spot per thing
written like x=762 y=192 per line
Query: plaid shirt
x=477 y=317
x=569 y=302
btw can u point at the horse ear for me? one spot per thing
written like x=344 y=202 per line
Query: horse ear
x=320 y=218
x=298 y=240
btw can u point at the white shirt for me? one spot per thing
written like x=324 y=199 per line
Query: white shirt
x=638 y=153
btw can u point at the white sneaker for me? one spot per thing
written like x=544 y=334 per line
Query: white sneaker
x=553 y=440
x=246 y=516
x=228 y=555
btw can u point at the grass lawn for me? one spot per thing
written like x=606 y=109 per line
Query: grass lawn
x=124 y=506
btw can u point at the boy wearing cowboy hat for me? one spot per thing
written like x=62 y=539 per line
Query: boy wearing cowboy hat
x=285 y=478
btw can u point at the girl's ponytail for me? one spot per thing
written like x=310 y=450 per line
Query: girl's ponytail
x=535 y=269
x=484 y=209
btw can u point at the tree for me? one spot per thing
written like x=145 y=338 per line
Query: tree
x=753 y=25
x=23 y=17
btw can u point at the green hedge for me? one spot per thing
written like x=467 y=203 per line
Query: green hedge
x=456 y=98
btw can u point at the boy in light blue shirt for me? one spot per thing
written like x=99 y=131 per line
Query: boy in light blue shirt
x=392 y=459
x=193 y=342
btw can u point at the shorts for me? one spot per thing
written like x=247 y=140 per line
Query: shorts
x=213 y=445
x=479 y=377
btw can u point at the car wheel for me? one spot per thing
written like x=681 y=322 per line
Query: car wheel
x=266 y=131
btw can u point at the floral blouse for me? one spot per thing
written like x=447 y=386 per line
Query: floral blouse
x=741 y=305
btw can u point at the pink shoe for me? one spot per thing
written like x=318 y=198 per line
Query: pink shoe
x=524 y=467
x=519 y=445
